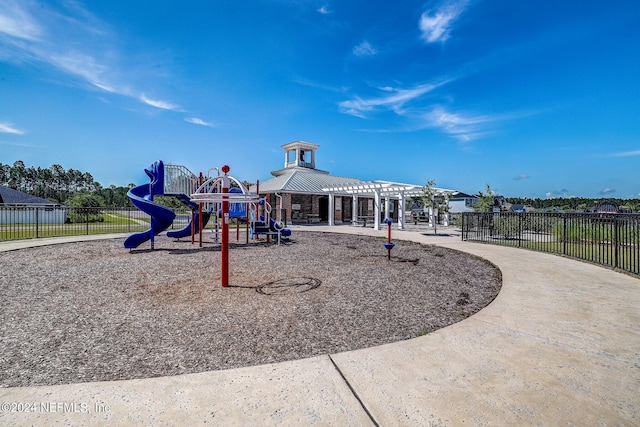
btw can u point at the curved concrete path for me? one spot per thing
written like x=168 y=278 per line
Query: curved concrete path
x=560 y=345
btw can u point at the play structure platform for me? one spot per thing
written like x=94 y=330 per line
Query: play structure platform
x=204 y=198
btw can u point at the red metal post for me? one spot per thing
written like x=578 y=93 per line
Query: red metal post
x=193 y=230
x=225 y=228
x=199 y=215
x=267 y=199
x=389 y=239
x=257 y=206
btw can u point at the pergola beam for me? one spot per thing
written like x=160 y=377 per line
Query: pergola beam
x=379 y=190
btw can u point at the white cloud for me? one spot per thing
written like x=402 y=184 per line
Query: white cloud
x=84 y=66
x=626 y=154
x=50 y=35
x=7 y=128
x=324 y=10
x=464 y=127
x=559 y=194
x=317 y=85
x=364 y=49
x=197 y=121
x=607 y=191
x=395 y=100
x=17 y=22
x=159 y=104
x=521 y=177
x=435 y=24
x=21 y=144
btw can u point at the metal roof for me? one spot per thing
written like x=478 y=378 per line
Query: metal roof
x=303 y=181
x=11 y=196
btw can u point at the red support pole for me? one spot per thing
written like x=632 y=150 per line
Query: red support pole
x=225 y=229
x=193 y=230
x=389 y=239
x=267 y=199
x=200 y=215
x=257 y=206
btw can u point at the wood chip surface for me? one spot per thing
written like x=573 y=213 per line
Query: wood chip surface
x=94 y=311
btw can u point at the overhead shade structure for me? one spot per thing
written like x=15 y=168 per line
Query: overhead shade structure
x=379 y=190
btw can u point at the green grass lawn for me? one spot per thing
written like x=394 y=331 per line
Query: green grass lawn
x=597 y=252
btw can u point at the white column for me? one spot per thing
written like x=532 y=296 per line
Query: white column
x=446 y=214
x=376 y=210
x=354 y=210
x=401 y=212
x=332 y=210
x=386 y=208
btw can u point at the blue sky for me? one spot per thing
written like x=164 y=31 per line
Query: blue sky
x=537 y=98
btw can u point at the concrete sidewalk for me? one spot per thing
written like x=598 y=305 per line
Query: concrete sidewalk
x=560 y=345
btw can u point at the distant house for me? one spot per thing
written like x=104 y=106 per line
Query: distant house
x=607 y=206
x=17 y=207
x=461 y=202
x=516 y=208
x=552 y=209
x=11 y=197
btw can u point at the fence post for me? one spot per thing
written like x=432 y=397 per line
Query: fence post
x=616 y=241
x=87 y=218
x=463 y=226
x=564 y=234
x=520 y=215
x=37 y=221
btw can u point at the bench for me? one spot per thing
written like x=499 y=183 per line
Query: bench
x=362 y=220
x=313 y=218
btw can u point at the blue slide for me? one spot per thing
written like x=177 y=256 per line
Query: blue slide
x=276 y=226
x=142 y=198
x=186 y=231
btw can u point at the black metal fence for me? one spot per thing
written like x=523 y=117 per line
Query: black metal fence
x=609 y=239
x=19 y=222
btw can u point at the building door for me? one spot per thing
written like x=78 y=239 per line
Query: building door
x=323 y=207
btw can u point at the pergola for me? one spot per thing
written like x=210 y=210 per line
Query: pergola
x=379 y=190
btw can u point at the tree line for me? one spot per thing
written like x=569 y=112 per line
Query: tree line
x=576 y=204
x=60 y=185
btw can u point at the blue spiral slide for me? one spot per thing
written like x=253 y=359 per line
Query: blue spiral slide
x=142 y=198
x=186 y=231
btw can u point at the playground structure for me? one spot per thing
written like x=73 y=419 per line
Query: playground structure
x=214 y=195
x=173 y=181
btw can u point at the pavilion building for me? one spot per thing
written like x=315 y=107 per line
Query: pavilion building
x=296 y=190
x=301 y=193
